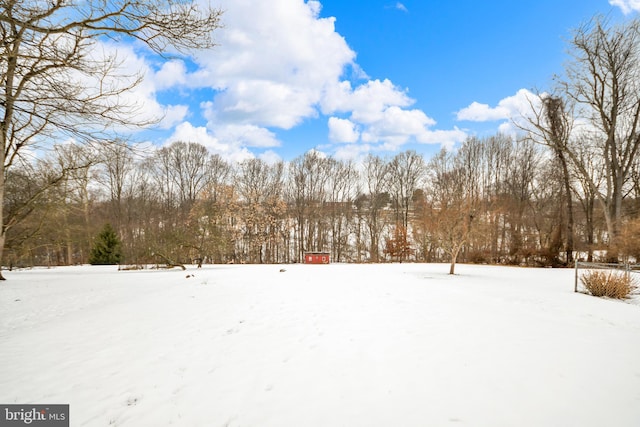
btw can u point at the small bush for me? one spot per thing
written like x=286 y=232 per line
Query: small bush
x=610 y=284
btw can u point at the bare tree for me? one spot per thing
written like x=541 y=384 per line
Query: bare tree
x=406 y=170
x=54 y=83
x=260 y=188
x=376 y=181
x=589 y=178
x=188 y=170
x=342 y=180
x=118 y=163
x=219 y=172
x=181 y=173
x=31 y=206
x=405 y=173
x=551 y=125
x=213 y=215
x=76 y=165
x=498 y=157
x=544 y=220
x=54 y=190
x=307 y=196
x=452 y=204
x=520 y=180
x=603 y=80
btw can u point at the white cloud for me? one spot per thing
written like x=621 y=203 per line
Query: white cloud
x=477 y=112
x=246 y=135
x=379 y=112
x=282 y=68
x=261 y=102
x=173 y=114
x=508 y=128
x=393 y=142
x=188 y=133
x=315 y=7
x=270 y=157
x=397 y=6
x=446 y=138
x=508 y=108
x=170 y=74
x=367 y=102
x=397 y=126
x=343 y=130
x=140 y=101
x=288 y=65
x=273 y=62
x=513 y=112
x=401 y=7
x=277 y=64
x=627 y=6
x=352 y=151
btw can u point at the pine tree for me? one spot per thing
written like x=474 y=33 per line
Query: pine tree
x=106 y=249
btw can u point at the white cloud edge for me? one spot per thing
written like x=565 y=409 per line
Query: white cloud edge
x=627 y=6
x=401 y=7
x=507 y=108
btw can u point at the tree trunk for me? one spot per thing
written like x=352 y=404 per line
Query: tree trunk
x=2 y=240
x=454 y=258
x=570 y=221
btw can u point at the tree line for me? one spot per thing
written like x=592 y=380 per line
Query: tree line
x=495 y=199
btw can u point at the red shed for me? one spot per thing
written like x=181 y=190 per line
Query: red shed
x=316 y=258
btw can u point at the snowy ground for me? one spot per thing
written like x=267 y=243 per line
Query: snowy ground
x=319 y=345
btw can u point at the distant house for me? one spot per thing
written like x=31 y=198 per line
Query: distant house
x=317 y=258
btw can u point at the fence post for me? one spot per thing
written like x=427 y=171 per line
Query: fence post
x=627 y=268
x=575 y=284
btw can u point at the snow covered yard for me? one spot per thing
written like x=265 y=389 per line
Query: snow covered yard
x=330 y=345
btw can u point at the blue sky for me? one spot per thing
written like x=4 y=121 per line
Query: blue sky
x=354 y=77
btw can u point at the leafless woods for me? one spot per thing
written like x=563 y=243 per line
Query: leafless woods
x=568 y=184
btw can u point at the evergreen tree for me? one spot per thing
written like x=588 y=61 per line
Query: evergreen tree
x=106 y=248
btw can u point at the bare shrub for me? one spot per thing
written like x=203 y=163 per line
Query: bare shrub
x=628 y=242
x=610 y=284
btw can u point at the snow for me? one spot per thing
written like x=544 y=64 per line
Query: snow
x=319 y=345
